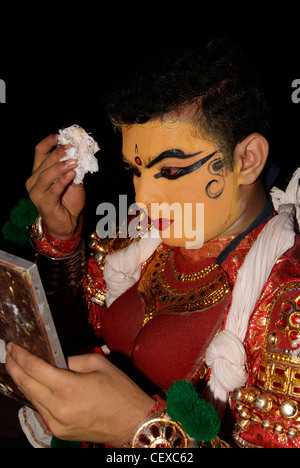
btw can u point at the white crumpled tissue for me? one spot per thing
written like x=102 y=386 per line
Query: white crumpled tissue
x=83 y=148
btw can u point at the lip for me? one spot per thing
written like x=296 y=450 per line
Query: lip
x=161 y=224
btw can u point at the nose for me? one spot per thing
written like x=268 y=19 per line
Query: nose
x=147 y=190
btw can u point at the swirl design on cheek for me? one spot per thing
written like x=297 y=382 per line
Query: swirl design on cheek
x=215 y=187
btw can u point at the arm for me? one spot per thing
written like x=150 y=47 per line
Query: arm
x=57 y=239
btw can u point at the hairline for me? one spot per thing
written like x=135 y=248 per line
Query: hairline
x=189 y=113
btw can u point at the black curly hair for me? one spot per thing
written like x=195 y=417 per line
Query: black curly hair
x=213 y=84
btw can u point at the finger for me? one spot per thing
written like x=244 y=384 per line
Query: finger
x=49 y=159
x=59 y=185
x=86 y=363
x=32 y=389
x=52 y=175
x=43 y=148
x=25 y=367
x=52 y=197
x=39 y=395
x=44 y=163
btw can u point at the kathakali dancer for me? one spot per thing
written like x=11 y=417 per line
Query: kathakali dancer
x=201 y=323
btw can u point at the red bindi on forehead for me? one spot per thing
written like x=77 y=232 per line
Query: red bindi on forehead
x=138 y=161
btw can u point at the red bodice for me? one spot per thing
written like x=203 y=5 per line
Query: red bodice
x=165 y=322
x=168 y=347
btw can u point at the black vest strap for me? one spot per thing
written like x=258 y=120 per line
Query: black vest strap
x=261 y=218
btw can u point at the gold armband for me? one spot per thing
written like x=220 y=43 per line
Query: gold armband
x=159 y=431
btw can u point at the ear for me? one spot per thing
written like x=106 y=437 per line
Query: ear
x=250 y=157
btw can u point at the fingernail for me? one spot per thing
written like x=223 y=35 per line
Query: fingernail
x=71 y=162
x=8 y=347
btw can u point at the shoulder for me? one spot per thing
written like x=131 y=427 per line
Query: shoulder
x=283 y=303
x=280 y=351
x=285 y=272
x=273 y=326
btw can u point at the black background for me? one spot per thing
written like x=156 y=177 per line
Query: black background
x=58 y=63
x=59 y=60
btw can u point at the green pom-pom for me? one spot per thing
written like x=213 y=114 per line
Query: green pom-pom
x=58 y=443
x=198 y=418
x=23 y=214
x=13 y=234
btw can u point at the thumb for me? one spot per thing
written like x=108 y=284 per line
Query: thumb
x=86 y=363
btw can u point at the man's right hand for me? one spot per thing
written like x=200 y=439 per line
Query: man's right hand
x=50 y=188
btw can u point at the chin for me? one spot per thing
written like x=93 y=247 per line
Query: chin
x=172 y=242
x=183 y=243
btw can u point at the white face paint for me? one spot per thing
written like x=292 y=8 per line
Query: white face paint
x=2 y=352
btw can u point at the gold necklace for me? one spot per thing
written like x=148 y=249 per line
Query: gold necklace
x=161 y=298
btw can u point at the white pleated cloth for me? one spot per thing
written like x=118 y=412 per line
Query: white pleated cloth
x=123 y=269
x=226 y=354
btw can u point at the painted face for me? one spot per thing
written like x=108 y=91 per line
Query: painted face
x=182 y=181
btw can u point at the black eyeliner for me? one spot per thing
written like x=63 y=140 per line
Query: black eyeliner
x=188 y=169
x=173 y=153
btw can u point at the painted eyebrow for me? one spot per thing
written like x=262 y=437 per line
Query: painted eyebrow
x=193 y=167
x=172 y=153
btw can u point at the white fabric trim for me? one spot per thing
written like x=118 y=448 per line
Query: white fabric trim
x=123 y=269
x=226 y=354
x=34 y=428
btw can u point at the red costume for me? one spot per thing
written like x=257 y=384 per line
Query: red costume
x=166 y=320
